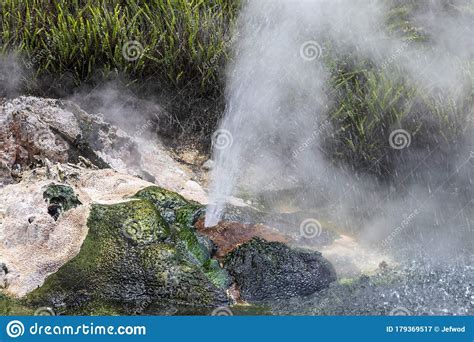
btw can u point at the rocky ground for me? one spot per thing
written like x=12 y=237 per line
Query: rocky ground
x=94 y=222
x=35 y=129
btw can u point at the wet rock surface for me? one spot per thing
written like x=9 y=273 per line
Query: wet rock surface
x=227 y=236
x=108 y=242
x=127 y=262
x=411 y=289
x=288 y=223
x=266 y=270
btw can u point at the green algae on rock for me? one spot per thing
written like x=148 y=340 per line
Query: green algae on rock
x=182 y=214
x=137 y=220
x=128 y=261
x=185 y=238
x=60 y=198
x=172 y=206
x=13 y=307
x=216 y=274
x=133 y=257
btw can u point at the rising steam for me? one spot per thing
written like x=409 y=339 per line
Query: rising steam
x=278 y=117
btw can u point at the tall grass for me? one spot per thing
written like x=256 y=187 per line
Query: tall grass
x=182 y=40
x=371 y=101
x=185 y=45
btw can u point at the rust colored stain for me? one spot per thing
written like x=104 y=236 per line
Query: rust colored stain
x=228 y=235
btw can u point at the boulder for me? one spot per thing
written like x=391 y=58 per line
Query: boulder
x=129 y=260
x=107 y=248
x=34 y=131
x=266 y=270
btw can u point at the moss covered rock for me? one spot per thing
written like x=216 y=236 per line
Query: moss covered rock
x=137 y=220
x=132 y=258
x=13 y=307
x=217 y=275
x=172 y=206
x=146 y=253
x=181 y=215
x=187 y=240
x=62 y=195
x=60 y=198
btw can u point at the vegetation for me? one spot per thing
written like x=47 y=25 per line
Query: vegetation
x=13 y=307
x=155 y=48
x=181 y=47
x=373 y=100
x=371 y=103
x=176 y=41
